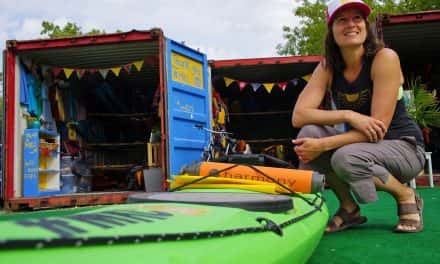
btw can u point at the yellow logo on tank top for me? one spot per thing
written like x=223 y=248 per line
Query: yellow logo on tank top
x=353 y=101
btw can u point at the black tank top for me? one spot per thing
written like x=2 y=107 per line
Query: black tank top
x=357 y=96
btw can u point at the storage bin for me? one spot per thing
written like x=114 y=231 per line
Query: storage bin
x=153 y=180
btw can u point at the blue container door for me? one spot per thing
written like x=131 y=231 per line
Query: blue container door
x=188 y=105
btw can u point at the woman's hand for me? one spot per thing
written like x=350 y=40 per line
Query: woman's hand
x=374 y=129
x=308 y=149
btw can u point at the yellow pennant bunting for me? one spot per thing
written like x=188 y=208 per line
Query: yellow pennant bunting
x=68 y=72
x=228 y=81
x=138 y=64
x=307 y=77
x=116 y=71
x=268 y=86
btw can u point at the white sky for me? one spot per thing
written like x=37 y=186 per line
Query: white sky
x=226 y=29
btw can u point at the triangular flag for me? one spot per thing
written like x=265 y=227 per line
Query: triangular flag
x=294 y=81
x=228 y=81
x=127 y=67
x=92 y=71
x=255 y=86
x=282 y=86
x=68 y=72
x=138 y=64
x=56 y=71
x=307 y=77
x=268 y=86
x=103 y=72
x=80 y=73
x=116 y=70
x=241 y=85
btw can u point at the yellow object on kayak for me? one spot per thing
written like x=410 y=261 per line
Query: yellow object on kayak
x=226 y=183
x=216 y=180
x=304 y=181
x=256 y=188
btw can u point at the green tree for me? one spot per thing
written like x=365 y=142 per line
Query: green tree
x=70 y=29
x=308 y=37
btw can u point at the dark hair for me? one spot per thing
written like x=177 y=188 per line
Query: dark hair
x=333 y=56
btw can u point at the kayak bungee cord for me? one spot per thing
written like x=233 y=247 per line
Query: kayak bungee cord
x=216 y=173
x=213 y=173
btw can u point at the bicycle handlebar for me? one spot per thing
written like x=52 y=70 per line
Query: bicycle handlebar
x=199 y=126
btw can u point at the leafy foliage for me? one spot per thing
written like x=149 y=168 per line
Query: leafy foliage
x=308 y=37
x=424 y=109
x=70 y=29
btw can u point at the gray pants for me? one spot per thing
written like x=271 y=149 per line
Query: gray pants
x=357 y=163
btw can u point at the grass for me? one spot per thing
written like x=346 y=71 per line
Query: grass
x=374 y=241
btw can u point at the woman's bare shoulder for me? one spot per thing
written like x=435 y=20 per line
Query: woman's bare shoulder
x=385 y=62
x=386 y=54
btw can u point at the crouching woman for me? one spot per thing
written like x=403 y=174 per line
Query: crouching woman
x=381 y=148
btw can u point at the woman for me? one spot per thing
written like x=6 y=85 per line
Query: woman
x=380 y=147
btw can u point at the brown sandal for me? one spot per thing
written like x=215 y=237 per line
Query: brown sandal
x=412 y=208
x=348 y=220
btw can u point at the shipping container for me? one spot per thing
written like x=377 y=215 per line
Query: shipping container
x=83 y=115
x=416 y=38
x=259 y=95
x=108 y=106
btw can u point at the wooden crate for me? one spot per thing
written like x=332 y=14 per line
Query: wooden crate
x=153 y=155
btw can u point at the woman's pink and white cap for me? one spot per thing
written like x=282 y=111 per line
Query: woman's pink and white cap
x=334 y=6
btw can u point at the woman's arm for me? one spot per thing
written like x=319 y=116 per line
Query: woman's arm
x=308 y=149
x=387 y=78
x=306 y=108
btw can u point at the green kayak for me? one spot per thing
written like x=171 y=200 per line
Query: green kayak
x=203 y=226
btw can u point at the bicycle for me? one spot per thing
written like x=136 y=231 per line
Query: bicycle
x=220 y=144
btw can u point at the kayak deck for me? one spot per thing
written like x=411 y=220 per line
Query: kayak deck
x=163 y=231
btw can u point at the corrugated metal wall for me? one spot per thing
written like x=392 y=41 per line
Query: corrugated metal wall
x=100 y=56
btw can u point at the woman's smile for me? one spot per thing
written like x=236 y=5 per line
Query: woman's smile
x=349 y=28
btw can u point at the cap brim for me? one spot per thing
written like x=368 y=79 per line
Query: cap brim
x=364 y=8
